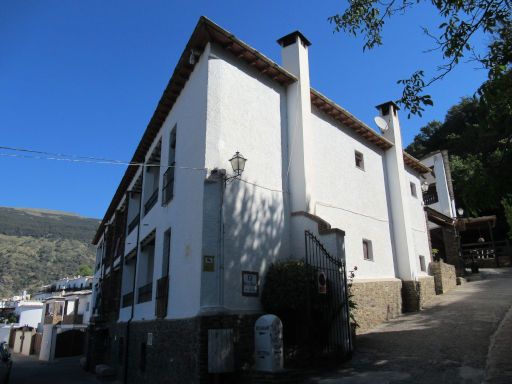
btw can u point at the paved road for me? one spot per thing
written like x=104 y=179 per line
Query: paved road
x=29 y=370
x=464 y=336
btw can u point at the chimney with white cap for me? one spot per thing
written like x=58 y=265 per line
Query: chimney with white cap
x=399 y=194
x=295 y=59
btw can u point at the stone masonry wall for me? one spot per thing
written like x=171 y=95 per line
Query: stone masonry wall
x=452 y=249
x=427 y=289
x=377 y=301
x=243 y=343
x=172 y=357
x=415 y=294
x=444 y=276
x=177 y=351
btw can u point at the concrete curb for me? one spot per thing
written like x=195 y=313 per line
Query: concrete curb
x=498 y=367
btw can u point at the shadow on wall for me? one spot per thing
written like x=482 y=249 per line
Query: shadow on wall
x=256 y=234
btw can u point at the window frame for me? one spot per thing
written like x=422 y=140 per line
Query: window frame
x=414 y=192
x=367 y=244
x=423 y=263
x=359 y=156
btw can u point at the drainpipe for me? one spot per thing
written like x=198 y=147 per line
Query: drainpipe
x=127 y=348
x=221 y=250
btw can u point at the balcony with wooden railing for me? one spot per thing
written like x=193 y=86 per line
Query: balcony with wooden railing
x=162 y=294
x=127 y=300
x=151 y=201
x=145 y=293
x=168 y=185
x=133 y=224
x=73 y=318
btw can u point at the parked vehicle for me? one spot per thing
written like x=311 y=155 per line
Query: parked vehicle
x=5 y=363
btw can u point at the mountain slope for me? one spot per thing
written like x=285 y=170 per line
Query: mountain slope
x=39 y=246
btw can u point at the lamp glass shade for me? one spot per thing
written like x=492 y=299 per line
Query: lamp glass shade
x=460 y=211
x=424 y=186
x=238 y=163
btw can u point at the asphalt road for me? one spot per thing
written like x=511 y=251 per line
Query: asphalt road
x=29 y=370
x=463 y=336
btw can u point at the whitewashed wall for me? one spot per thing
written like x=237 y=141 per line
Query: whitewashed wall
x=418 y=223
x=247 y=113
x=352 y=199
x=445 y=204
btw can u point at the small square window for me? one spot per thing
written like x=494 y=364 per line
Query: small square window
x=423 y=266
x=413 y=189
x=359 y=160
x=367 y=250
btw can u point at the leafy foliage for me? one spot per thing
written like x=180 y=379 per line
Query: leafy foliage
x=506 y=202
x=454 y=37
x=38 y=247
x=286 y=287
x=477 y=132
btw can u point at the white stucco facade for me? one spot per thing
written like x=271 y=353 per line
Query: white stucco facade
x=301 y=166
x=438 y=179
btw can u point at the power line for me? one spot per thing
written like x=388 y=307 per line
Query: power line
x=44 y=155
x=82 y=159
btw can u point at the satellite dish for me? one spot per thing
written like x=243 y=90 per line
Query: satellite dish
x=381 y=123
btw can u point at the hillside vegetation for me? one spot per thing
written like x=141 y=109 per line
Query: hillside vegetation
x=38 y=247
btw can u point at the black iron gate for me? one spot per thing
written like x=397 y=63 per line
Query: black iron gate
x=328 y=314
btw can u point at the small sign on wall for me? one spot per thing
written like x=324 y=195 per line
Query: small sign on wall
x=250 y=283
x=208 y=263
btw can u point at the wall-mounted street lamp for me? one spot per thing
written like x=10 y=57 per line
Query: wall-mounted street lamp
x=424 y=187
x=460 y=211
x=238 y=165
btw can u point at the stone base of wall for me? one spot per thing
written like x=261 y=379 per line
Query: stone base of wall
x=444 y=275
x=415 y=294
x=377 y=301
x=175 y=352
x=427 y=289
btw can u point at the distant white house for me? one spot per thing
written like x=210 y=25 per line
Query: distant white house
x=65 y=315
x=66 y=284
x=181 y=250
x=29 y=313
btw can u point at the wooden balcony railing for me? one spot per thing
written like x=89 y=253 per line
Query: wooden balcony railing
x=145 y=293
x=52 y=319
x=73 y=319
x=127 y=300
x=162 y=293
x=133 y=224
x=151 y=201
x=168 y=185
x=430 y=198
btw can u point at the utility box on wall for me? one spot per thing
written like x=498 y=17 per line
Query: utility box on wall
x=221 y=357
x=268 y=340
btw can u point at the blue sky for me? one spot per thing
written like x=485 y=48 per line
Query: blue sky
x=84 y=77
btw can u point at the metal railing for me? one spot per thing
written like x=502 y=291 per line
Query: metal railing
x=151 y=201
x=168 y=185
x=145 y=293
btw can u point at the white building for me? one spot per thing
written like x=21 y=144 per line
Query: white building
x=177 y=241
x=64 y=324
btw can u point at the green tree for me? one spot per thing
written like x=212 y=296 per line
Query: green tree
x=477 y=132
x=507 y=207
x=85 y=270
x=453 y=38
